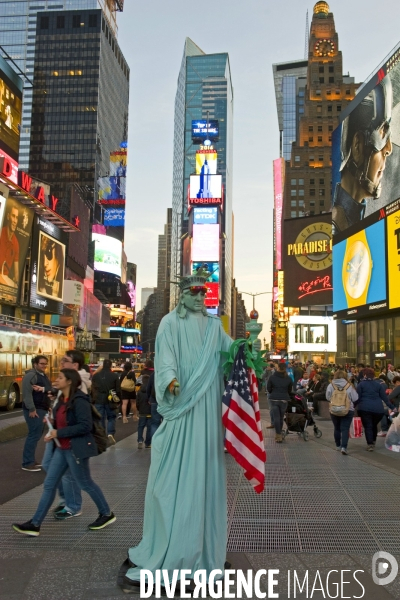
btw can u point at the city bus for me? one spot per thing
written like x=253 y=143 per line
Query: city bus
x=20 y=341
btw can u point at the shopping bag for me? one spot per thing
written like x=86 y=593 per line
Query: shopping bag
x=356 y=430
x=392 y=439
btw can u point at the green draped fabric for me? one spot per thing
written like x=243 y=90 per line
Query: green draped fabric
x=185 y=515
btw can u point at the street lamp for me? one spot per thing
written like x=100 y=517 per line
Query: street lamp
x=254 y=295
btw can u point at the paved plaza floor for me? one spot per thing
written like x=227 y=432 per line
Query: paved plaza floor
x=321 y=511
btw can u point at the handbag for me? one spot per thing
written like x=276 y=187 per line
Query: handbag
x=128 y=385
x=98 y=432
x=113 y=399
x=356 y=430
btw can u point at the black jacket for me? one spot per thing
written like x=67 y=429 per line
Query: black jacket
x=142 y=402
x=279 y=386
x=124 y=394
x=151 y=390
x=102 y=382
x=80 y=423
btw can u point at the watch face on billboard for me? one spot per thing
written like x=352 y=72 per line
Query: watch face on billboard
x=205 y=189
x=359 y=275
x=107 y=254
x=366 y=151
x=10 y=110
x=207 y=214
x=205 y=243
x=212 y=268
x=51 y=262
x=114 y=217
x=201 y=131
x=206 y=161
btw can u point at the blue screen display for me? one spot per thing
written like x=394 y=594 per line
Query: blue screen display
x=201 y=132
x=205 y=215
x=114 y=217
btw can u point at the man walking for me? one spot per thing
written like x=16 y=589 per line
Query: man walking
x=35 y=405
x=102 y=383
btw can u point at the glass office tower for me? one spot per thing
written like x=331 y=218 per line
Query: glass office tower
x=17 y=37
x=204 y=90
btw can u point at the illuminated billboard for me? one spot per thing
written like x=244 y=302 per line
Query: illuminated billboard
x=118 y=163
x=206 y=161
x=393 y=255
x=212 y=296
x=279 y=168
x=111 y=189
x=205 y=244
x=307 y=261
x=205 y=189
x=107 y=254
x=10 y=110
x=205 y=130
x=212 y=268
x=359 y=274
x=206 y=214
x=114 y=217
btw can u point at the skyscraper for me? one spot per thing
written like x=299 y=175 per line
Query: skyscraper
x=204 y=93
x=17 y=37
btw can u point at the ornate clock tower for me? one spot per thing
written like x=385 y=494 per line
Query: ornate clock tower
x=326 y=92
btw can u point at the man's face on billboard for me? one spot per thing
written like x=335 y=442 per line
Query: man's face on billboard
x=377 y=162
x=13 y=219
x=50 y=263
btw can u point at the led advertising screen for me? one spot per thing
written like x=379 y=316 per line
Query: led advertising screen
x=212 y=296
x=207 y=214
x=14 y=245
x=205 y=189
x=212 y=268
x=307 y=261
x=112 y=190
x=107 y=254
x=359 y=274
x=118 y=163
x=366 y=152
x=10 y=110
x=279 y=168
x=47 y=267
x=206 y=161
x=114 y=217
x=201 y=131
x=205 y=244
x=393 y=258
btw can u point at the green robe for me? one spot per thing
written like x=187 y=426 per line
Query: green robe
x=185 y=517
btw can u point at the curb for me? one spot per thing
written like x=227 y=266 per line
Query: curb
x=17 y=430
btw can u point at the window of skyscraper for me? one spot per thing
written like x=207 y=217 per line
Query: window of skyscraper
x=322 y=182
x=328 y=93
x=293 y=193
x=301 y=192
x=317 y=92
x=301 y=181
x=312 y=192
x=331 y=80
x=329 y=107
x=320 y=158
x=92 y=20
x=297 y=158
x=322 y=192
x=347 y=92
x=301 y=93
x=44 y=23
x=60 y=22
x=312 y=202
x=319 y=109
x=331 y=69
x=319 y=127
x=76 y=21
x=322 y=202
x=338 y=108
x=293 y=203
x=330 y=128
x=322 y=80
x=293 y=181
x=312 y=181
x=321 y=69
x=310 y=128
x=310 y=139
x=320 y=138
x=293 y=214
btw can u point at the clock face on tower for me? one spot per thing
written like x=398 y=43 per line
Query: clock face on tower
x=324 y=47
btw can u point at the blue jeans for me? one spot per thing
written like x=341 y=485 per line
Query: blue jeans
x=106 y=411
x=156 y=418
x=342 y=428
x=271 y=416
x=278 y=409
x=68 y=490
x=35 y=430
x=144 y=422
x=62 y=459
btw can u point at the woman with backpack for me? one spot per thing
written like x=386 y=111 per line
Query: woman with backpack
x=279 y=388
x=371 y=395
x=75 y=444
x=343 y=397
x=128 y=384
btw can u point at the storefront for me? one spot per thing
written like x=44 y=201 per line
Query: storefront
x=312 y=338
x=376 y=342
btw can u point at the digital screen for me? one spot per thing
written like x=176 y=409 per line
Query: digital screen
x=111 y=188
x=205 y=189
x=205 y=243
x=393 y=255
x=212 y=311
x=366 y=152
x=307 y=261
x=10 y=110
x=206 y=161
x=118 y=163
x=107 y=254
x=359 y=276
x=212 y=296
x=211 y=267
x=279 y=166
x=114 y=217
x=202 y=131
x=207 y=214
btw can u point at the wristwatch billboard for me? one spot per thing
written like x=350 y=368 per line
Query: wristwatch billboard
x=357 y=268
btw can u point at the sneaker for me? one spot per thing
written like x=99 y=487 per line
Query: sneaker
x=32 y=468
x=270 y=426
x=147 y=447
x=382 y=434
x=278 y=438
x=140 y=445
x=58 y=508
x=344 y=451
x=27 y=528
x=102 y=521
x=111 y=439
x=38 y=465
x=63 y=514
x=370 y=448
x=338 y=448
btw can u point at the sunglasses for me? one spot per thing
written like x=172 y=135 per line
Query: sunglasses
x=197 y=289
x=49 y=251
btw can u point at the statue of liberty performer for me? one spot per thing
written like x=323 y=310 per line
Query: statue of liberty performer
x=185 y=517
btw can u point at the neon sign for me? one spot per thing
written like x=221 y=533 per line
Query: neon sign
x=320 y=284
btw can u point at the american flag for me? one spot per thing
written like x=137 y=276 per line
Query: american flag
x=241 y=418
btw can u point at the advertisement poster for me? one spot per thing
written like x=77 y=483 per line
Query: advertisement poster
x=279 y=166
x=307 y=261
x=212 y=296
x=114 y=217
x=47 y=267
x=118 y=163
x=393 y=255
x=206 y=160
x=205 y=130
x=107 y=254
x=14 y=244
x=206 y=214
x=212 y=268
x=359 y=274
x=10 y=110
x=111 y=188
x=205 y=246
x=205 y=189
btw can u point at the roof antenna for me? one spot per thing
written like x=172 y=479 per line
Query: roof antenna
x=307 y=40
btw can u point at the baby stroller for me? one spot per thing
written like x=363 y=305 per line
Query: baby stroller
x=298 y=417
